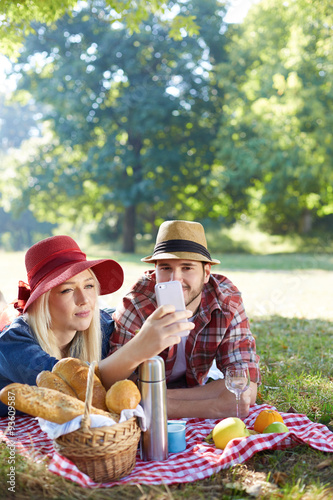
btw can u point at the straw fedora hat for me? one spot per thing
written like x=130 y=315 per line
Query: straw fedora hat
x=180 y=239
x=54 y=260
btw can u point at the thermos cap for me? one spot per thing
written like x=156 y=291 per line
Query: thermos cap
x=152 y=370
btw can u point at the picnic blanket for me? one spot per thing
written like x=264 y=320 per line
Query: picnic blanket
x=199 y=461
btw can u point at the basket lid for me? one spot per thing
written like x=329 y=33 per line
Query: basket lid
x=152 y=370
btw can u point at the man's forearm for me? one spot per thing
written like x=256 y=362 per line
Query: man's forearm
x=207 y=391
x=211 y=390
x=212 y=400
x=180 y=408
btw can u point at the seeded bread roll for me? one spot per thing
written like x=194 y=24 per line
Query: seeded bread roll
x=45 y=403
x=53 y=381
x=75 y=373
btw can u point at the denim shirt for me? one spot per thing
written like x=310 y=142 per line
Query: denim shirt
x=22 y=358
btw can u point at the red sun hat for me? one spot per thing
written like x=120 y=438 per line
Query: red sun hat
x=54 y=260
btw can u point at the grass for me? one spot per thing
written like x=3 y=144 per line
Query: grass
x=242 y=261
x=296 y=364
x=296 y=359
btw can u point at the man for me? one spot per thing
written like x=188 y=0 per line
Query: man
x=221 y=335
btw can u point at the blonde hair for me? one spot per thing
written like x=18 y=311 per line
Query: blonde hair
x=86 y=345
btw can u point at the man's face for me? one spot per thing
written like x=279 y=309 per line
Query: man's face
x=191 y=274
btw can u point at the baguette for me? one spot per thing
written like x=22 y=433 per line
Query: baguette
x=53 y=381
x=46 y=403
x=75 y=373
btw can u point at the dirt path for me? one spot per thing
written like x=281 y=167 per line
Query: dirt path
x=303 y=294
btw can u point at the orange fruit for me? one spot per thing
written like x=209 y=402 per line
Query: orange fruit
x=265 y=418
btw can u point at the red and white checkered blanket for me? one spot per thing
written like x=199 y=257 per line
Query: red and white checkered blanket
x=198 y=461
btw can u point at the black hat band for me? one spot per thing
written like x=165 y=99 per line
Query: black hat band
x=181 y=246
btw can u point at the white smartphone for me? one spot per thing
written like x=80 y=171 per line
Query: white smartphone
x=171 y=292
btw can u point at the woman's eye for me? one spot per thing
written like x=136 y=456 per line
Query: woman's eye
x=90 y=286
x=66 y=290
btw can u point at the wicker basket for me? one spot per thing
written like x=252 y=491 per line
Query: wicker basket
x=103 y=453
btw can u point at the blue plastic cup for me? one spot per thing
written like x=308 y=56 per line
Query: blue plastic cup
x=176 y=436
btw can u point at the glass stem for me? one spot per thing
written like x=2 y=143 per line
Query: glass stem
x=237 y=405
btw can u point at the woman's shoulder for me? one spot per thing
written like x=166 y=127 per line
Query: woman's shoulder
x=107 y=322
x=106 y=315
x=107 y=326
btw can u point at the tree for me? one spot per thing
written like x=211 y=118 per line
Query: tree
x=17 y=121
x=279 y=114
x=17 y=17
x=21 y=232
x=131 y=128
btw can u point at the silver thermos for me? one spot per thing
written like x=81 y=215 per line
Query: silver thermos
x=152 y=385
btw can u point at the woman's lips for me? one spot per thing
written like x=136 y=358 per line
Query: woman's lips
x=83 y=314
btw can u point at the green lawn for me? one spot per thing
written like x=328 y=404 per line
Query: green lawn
x=243 y=261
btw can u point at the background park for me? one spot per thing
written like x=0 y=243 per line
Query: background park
x=116 y=116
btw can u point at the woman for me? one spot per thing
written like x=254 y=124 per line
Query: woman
x=61 y=318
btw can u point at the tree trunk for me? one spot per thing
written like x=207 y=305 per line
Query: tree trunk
x=305 y=225
x=129 y=229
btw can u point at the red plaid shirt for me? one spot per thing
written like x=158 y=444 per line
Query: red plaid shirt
x=221 y=330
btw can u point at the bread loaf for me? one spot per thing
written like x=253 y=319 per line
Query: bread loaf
x=75 y=373
x=53 y=381
x=98 y=373
x=122 y=395
x=45 y=403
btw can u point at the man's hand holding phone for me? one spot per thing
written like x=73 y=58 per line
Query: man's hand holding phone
x=171 y=292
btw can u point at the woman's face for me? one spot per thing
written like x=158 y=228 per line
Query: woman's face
x=72 y=306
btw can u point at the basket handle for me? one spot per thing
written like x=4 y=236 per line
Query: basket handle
x=85 y=422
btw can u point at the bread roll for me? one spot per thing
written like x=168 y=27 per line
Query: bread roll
x=123 y=395
x=75 y=373
x=45 y=403
x=53 y=381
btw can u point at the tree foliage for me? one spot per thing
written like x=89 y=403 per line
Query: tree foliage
x=22 y=231
x=131 y=116
x=276 y=134
x=17 y=121
x=18 y=18
x=141 y=123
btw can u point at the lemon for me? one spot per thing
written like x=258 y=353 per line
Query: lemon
x=228 y=429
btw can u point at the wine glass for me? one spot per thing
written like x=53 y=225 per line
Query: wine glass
x=237 y=380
